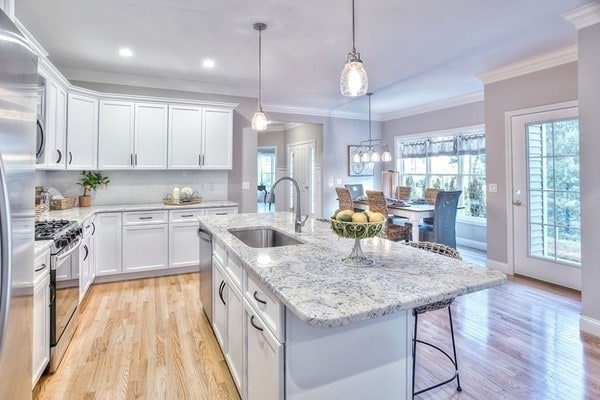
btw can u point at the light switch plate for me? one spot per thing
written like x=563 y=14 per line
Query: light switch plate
x=493 y=187
x=339 y=181
x=245 y=185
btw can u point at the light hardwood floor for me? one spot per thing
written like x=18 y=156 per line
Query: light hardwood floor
x=144 y=339
x=149 y=339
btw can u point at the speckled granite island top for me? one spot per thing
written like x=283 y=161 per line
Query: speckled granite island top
x=311 y=282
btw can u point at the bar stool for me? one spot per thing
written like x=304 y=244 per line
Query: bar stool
x=452 y=253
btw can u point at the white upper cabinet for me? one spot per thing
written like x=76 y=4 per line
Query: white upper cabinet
x=217 y=135
x=150 y=136
x=116 y=132
x=82 y=132
x=54 y=126
x=185 y=137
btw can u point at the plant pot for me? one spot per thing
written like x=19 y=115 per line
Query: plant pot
x=85 y=201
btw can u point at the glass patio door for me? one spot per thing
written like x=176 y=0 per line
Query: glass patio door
x=546 y=196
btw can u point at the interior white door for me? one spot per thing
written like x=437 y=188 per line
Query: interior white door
x=150 y=136
x=545 y=196
x=301 y=167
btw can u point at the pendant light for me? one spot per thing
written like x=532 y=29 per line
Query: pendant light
x=356 y=157
x=368 y=150
x=259 y=121
x=354 y=81
x=386 y=156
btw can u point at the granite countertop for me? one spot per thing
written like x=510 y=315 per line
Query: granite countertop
x=311 y=282
x=80 y=214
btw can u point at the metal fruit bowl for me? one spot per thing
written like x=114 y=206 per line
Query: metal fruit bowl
x=356 y=230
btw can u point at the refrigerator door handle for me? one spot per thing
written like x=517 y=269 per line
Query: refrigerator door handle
x=5 y=255
x=40 y=149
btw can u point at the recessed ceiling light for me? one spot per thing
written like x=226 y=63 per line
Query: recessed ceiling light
x=208 y=63
x=125 y=52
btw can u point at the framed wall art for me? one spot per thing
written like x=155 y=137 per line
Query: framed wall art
x=358 y=168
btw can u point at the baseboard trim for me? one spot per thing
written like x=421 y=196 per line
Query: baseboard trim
x=144 y=274
x=474 y=244
x=499 y=266
x=589 y=325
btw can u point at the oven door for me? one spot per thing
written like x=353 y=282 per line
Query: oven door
x=64 y=291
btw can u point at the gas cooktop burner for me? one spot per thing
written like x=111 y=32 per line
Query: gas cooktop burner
x=50 y=230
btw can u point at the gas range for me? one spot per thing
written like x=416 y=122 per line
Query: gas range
x=63 y=233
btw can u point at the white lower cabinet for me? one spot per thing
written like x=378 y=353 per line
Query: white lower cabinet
x=219 y=301
x=253 y=352
x=235 y=334
x=145 y=247
x=109 y=228
x=184 y=248
x=41 y=316
x=264 y=360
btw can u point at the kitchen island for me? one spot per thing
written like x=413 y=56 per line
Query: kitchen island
x=327 y=330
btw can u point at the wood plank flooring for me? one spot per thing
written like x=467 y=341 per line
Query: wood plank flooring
x=144 y=339
x=149 y=339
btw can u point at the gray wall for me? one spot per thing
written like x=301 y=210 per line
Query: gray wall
x=589 y=123
x=448 y=118
x=549 y=86
x=274 y=139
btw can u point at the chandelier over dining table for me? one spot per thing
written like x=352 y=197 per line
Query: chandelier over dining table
x=369 y=150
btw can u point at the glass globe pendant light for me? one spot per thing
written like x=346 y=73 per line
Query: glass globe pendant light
x=259 y=121
x=354 y=81
x=356 y=157
x=386 y=156
x=365 y=157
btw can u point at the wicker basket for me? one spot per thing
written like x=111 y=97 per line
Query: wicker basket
x=63 y=204
x=170 y=201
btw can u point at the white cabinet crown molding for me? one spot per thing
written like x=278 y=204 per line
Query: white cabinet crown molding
x=584 y=16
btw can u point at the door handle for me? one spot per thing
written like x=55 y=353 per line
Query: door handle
x=517 y=202
x=5 y=254
x=254 y=325
x=87 y=252
x=70 y=158
x=40 y=150
x=59 y=156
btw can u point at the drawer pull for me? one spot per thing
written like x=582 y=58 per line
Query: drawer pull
x=257 y=299
x=40 y=268
x=146 y=217
x=94 y=231
x=221 y=213
x=187 y=215
x=254 y=325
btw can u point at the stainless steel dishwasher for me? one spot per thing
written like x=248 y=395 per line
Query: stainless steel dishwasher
x=206 y=272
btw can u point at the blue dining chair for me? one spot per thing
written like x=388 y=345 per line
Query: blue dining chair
x=443 y=229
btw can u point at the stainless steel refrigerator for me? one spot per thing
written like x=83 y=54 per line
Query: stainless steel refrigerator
x=18 y=93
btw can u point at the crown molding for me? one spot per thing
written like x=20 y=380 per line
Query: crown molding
x=435 y=106
x=154 y=82
x=548 y=60
x=584 y=16
x=318 y=112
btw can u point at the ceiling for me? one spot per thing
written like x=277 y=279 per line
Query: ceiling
x=415 y=51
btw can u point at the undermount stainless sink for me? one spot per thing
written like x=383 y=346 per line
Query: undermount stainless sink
x=263 y=237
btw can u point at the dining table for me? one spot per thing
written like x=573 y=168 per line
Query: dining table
x=414 y=213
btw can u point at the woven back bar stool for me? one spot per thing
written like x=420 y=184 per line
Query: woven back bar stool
x=452 y=253
x=344 y=199
x=391 y=231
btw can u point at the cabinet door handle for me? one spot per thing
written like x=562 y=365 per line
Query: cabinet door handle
x=254 y=325
x=40 y=150
x=199 y=159
x=221 y=292
x=135 y=158
x=202 y=159
x=87 y=252
x=59 y=156
x=187 y=215
x=40 y=268
x=94 y=231
x=131 y=159
x=257 y=299
x=70 y=158
x=146 y=217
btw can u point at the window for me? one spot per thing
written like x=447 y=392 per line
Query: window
x=448 y=162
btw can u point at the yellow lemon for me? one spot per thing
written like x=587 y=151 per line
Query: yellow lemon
x=344 y=212
x=344 y=218
x=376 y=217
x=359 y=217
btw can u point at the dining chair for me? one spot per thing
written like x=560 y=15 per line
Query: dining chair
x=443 y=229
x=392 y=231
x=438 y=305
x=431 y=195
x=402 y=192
x=344 y=199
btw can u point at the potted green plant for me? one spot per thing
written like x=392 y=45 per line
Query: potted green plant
x=90 y=181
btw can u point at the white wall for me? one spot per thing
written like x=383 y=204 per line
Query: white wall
x=589 y=123
x=128 y=187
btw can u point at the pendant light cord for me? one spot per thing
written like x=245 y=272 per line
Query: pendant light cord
x=370 y=141
x=353 y=30
x=259 y=69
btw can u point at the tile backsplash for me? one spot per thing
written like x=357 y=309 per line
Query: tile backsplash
x=129 y=187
